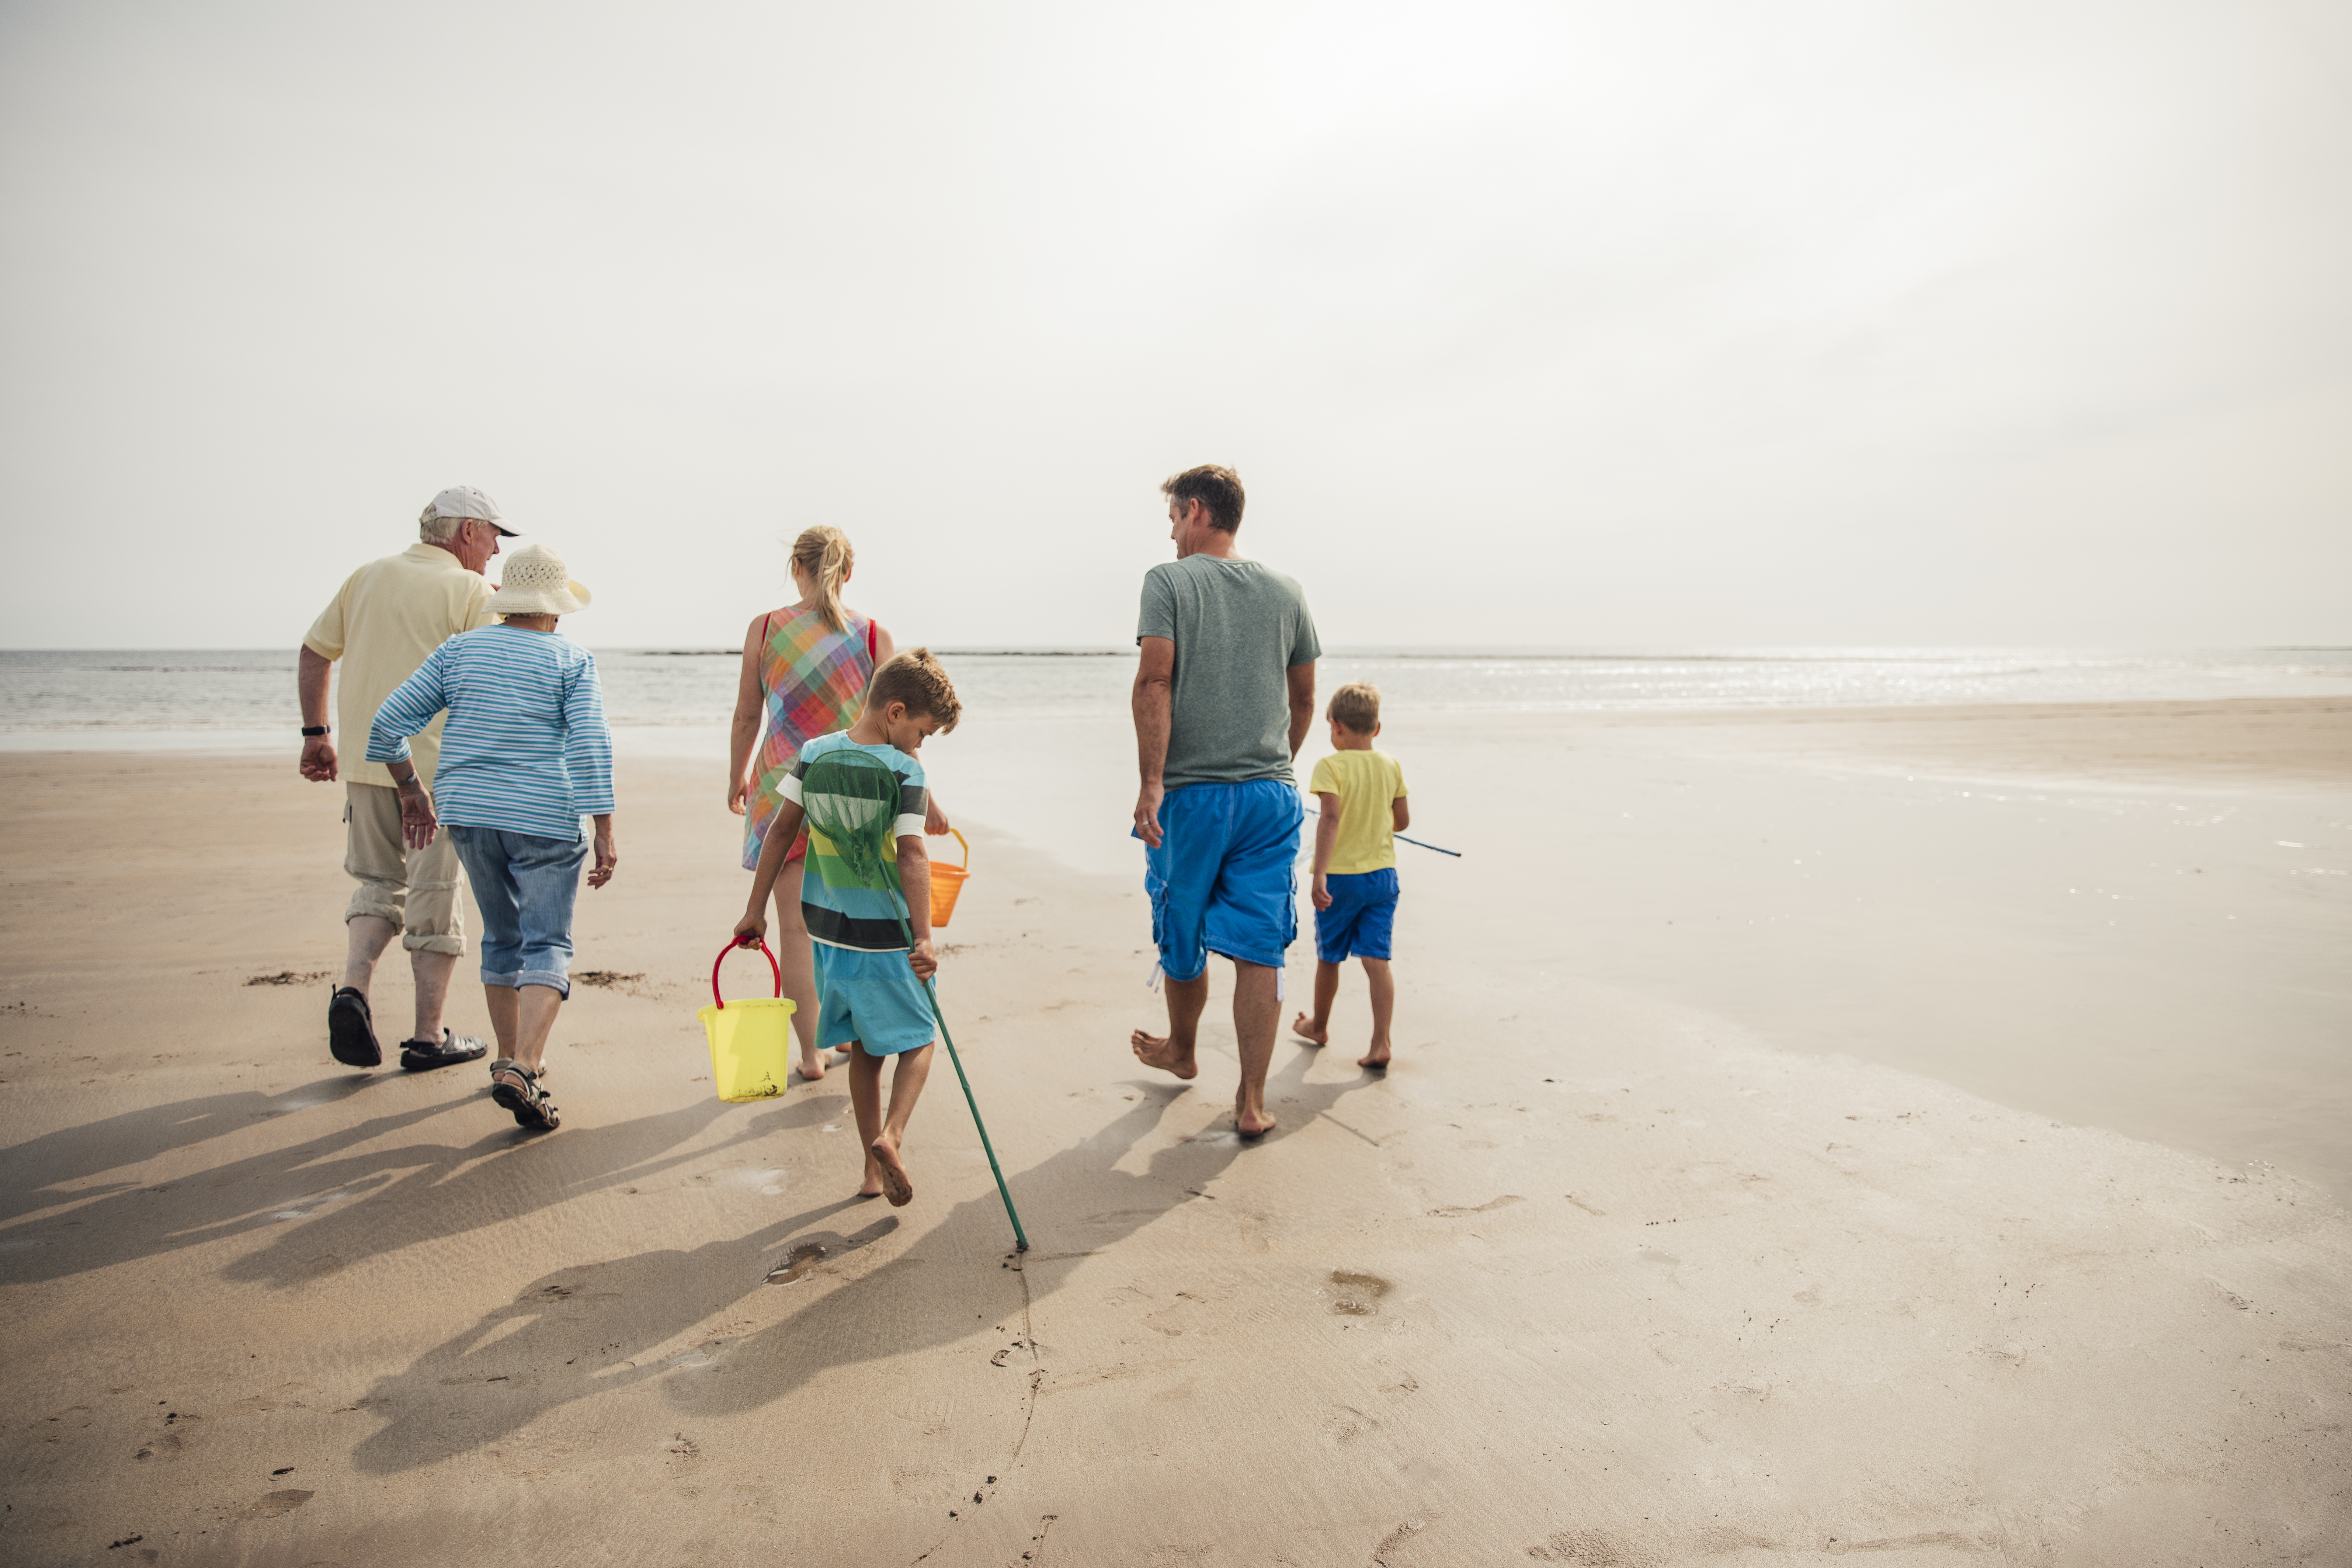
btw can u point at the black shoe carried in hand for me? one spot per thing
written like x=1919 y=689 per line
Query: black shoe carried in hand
x=351 y=1030
x=452 y=1047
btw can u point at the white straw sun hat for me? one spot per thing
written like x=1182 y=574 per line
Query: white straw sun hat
x=537 y=584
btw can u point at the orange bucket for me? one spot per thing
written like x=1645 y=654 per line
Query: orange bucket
x=946 y=881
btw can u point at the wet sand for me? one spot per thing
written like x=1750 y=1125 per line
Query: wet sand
x=1636 y=1257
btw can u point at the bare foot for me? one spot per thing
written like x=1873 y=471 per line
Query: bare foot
x=1251 y=1123
x=812 y=1068
x=1306 y=1030
x=895 y=1184
x=1377 y=1059
x=871 y=1187
x=1159 y=1051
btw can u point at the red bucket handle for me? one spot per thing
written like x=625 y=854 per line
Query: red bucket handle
x=730 y=947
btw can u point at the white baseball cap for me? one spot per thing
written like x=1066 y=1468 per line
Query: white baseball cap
x=465 y=501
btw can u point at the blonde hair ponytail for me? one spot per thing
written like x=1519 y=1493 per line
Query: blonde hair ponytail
x=825 y=554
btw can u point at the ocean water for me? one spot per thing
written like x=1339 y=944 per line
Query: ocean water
x=679 y=700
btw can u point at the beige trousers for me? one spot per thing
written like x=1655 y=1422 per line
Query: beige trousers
x=420 y=891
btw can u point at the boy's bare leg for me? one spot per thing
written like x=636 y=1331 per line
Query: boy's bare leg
x=1257 y=1018
x=1317 y=1029
x=865 y=1099
x=1383 y=988
x=1173 y=1052
x=885 y=1173
x=431 y=970
x=907 y=1080
x=522 y=1019
x=797 y=960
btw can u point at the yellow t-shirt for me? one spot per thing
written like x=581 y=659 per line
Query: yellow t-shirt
x=1365 y=782
x=389 y=615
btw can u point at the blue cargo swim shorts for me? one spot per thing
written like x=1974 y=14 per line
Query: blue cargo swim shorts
x=1225 y=878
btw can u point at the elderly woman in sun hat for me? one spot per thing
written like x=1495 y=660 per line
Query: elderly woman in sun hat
x=524 y=756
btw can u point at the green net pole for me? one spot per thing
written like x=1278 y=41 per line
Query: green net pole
x=1020 y=1236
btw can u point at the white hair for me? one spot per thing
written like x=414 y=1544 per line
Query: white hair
x=440 y=530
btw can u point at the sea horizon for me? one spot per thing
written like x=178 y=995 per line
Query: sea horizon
x=181 y=698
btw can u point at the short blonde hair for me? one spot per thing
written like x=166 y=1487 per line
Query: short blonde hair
x=915 y=679
x=1356 y=706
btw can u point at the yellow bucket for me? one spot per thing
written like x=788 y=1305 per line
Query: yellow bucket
x=947 y=883
x=750 y=1039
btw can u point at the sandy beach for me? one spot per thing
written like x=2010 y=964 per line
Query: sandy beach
x=1916 y=1133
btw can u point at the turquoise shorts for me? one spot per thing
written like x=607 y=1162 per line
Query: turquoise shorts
x=872 y=1000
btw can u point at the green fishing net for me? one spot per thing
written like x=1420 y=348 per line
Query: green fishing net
x=851 y=799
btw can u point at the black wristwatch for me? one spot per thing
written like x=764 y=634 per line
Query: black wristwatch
x=309 y=730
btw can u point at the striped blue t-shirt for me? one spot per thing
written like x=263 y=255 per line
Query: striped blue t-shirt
x=842 y=911
x=526 y=748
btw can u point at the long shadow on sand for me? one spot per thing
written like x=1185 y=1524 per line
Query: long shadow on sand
x=34 y=1174
x=594 y=1329
x=413 y=1192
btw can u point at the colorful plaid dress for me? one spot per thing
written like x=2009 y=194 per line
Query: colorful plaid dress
x=813 y=680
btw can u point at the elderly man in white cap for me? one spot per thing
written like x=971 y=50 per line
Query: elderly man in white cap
x=390 y=614
x=526 y=755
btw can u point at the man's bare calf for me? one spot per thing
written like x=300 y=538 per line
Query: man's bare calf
x=1174 y=1052
x=1256 y=1022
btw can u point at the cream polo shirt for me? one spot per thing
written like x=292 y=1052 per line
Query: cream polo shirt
x=388 y=617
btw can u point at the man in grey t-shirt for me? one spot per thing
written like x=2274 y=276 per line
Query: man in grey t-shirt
x=1222 y=700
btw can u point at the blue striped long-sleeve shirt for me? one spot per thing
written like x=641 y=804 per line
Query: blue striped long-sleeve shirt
x=526 y=748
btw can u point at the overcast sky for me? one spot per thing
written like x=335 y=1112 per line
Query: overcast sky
x=1715 y=324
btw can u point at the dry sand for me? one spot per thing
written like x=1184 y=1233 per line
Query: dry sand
x=1633 y=1258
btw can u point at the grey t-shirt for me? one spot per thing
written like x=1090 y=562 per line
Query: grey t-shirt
x=1238 y=626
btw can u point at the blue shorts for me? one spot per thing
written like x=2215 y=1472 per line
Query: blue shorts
x=1361 y=916
x=1225 y=878
x=872 y=998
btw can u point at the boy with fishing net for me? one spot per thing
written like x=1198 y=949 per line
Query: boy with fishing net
x=867 y=895
x=1362 y=795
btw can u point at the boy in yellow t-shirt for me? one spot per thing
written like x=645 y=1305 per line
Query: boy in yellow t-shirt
x=1362 y=794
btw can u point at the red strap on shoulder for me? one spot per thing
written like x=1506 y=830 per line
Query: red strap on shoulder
x=871 y=656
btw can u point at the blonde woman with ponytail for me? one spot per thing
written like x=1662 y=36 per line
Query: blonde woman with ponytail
x=805 y=666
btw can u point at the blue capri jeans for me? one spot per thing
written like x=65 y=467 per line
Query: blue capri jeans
x=526 y=885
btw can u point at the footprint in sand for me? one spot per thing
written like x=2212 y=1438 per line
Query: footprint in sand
x=796 y=1263
x=272 y=1504
x=1358 y=1293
